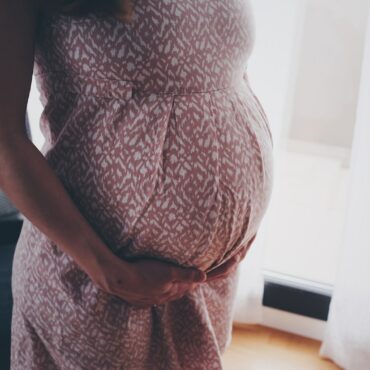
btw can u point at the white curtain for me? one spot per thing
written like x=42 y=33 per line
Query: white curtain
x=248 y=302
x=271 y=72
x=347 y=336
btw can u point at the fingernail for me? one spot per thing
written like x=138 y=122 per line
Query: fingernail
x=201 y=276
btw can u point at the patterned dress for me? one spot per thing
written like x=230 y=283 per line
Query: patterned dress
x=155 y=133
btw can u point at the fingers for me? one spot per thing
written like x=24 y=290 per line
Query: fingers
x=178 y=291
x=222 y=275
x=180 y=274
x=183 y=280
x=224 y=269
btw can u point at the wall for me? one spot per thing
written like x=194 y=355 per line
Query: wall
x=325 y=99
x=273 y=62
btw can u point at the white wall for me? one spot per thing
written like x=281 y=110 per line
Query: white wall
x=273 y=61
x=34 y=110
x=325 y=97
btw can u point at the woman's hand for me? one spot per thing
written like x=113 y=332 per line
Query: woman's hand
x=144 y=282
x=229 y=266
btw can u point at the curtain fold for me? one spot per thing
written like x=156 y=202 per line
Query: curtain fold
x=347 y=337
x=248 y=302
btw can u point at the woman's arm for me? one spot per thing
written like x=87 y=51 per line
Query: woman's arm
x=32 y=186
x=25 y=176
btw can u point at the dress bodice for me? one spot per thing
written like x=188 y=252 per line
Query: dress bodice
x=171 y=46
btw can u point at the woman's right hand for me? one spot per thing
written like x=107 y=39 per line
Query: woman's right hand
x=145 y=281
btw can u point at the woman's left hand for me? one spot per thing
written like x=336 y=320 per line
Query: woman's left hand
x=229 y=266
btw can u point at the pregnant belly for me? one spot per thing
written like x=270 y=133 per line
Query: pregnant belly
x=191 y=189
x=204 y=212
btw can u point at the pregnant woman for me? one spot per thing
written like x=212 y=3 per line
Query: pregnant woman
x=153 y=180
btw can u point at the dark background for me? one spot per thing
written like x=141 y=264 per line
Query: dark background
x=9 y=232
x=11 y=222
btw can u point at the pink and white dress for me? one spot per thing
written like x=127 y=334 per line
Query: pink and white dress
x=155 y=133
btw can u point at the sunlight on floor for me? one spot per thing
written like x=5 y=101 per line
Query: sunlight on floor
x=255 y=347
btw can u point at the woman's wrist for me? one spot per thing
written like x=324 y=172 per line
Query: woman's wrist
x=93 y=253
x=101 y=264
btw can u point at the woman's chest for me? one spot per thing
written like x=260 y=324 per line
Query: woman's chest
x=173 y=35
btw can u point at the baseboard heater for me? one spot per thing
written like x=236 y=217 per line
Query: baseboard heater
x=297 y=296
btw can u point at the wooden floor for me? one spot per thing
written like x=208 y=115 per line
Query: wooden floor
x=255 y=347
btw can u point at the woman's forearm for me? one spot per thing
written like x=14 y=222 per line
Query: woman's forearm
x=25 y=175
x=33 y=187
